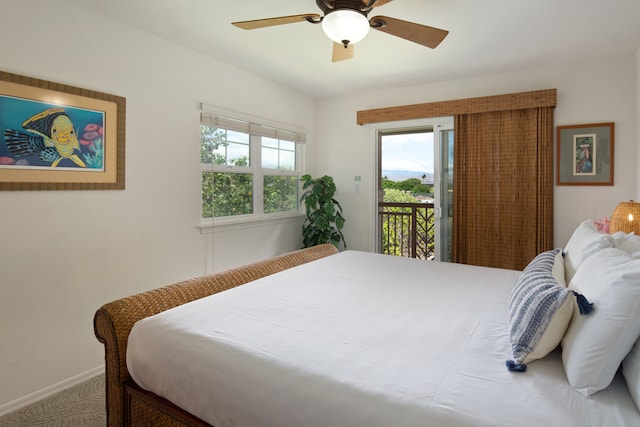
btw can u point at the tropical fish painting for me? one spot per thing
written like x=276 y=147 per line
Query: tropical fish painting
x=38 y=135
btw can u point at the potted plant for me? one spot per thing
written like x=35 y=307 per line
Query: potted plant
x=324 y=221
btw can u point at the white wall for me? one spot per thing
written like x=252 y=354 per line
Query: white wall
x=592 y=92
x=63 y=254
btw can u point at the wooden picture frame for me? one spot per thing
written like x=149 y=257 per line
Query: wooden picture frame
x=59 y=137
x=585 y=154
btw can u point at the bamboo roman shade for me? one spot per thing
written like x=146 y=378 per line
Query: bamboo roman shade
x=484 y=104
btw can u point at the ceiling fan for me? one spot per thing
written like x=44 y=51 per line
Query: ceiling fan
x=346 y=22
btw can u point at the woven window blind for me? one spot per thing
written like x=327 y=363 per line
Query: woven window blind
x=503 y=187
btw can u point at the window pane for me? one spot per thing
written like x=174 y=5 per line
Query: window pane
x=220 y=154
x=233 y=136
x=232 y=194
x=280 y=193
x=278 y=154
x=211 y=139
x=223 y=147
x=207 y=194
x=269 y=158
x=238 y=154
x=269 y=142
x=288 y=160
x=288 y=145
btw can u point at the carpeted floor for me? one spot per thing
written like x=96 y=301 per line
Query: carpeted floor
x=80 y=405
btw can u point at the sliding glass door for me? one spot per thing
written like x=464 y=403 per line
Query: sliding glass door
x=414 y=198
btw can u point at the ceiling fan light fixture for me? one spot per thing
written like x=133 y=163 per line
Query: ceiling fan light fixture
x=345 y=26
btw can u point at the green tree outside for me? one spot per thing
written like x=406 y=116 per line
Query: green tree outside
x=412 y=185
x=280 y=193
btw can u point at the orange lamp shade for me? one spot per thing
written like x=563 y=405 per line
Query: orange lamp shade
x=626 y=217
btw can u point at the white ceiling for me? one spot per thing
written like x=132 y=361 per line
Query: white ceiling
x=486 y=36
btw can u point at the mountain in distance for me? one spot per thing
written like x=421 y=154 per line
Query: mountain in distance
x=399 y=176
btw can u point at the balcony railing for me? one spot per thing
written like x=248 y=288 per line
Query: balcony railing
x=407 y=229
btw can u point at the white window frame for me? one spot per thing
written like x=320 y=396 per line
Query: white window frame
x=270 y=129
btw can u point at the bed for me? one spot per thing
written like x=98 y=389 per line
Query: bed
x=356 y=338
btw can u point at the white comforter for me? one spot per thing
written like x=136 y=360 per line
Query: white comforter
x=360 y=339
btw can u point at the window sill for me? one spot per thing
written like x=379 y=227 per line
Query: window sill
x=229 y=224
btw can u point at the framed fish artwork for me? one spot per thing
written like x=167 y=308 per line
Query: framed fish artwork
x=59 y=137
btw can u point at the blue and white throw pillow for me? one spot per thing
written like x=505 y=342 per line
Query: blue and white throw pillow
x=540 y=310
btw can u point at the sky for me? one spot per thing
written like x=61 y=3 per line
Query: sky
x=408 y=152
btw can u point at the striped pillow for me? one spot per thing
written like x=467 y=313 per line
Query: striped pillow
x=539 y=311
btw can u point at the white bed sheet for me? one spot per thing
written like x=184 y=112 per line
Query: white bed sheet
x=360 y=339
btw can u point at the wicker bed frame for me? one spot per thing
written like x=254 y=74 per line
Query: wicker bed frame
x=126 y=403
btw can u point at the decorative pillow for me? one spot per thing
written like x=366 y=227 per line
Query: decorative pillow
x=539 y=311
x=585 y=241
x=631 y=372
x=595 y=345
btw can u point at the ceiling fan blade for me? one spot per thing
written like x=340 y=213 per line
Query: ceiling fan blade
x=417 y=33
x=378 y=3
x=340 y=53
x=270 y=22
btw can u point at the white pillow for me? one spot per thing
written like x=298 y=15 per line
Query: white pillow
x=631 y=245
x=619 y=237
x=594 y=345
x=585 y=241
x=631 y=372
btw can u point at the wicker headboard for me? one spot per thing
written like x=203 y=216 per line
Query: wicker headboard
x=113 y=321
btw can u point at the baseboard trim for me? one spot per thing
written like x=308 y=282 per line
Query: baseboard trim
x=49 y=391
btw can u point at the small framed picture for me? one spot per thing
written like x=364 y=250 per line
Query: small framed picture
x=585 y=154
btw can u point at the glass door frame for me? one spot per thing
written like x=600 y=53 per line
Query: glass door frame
x=443 y=189
x=438 y=124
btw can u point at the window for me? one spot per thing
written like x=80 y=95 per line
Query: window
x=248 y=169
